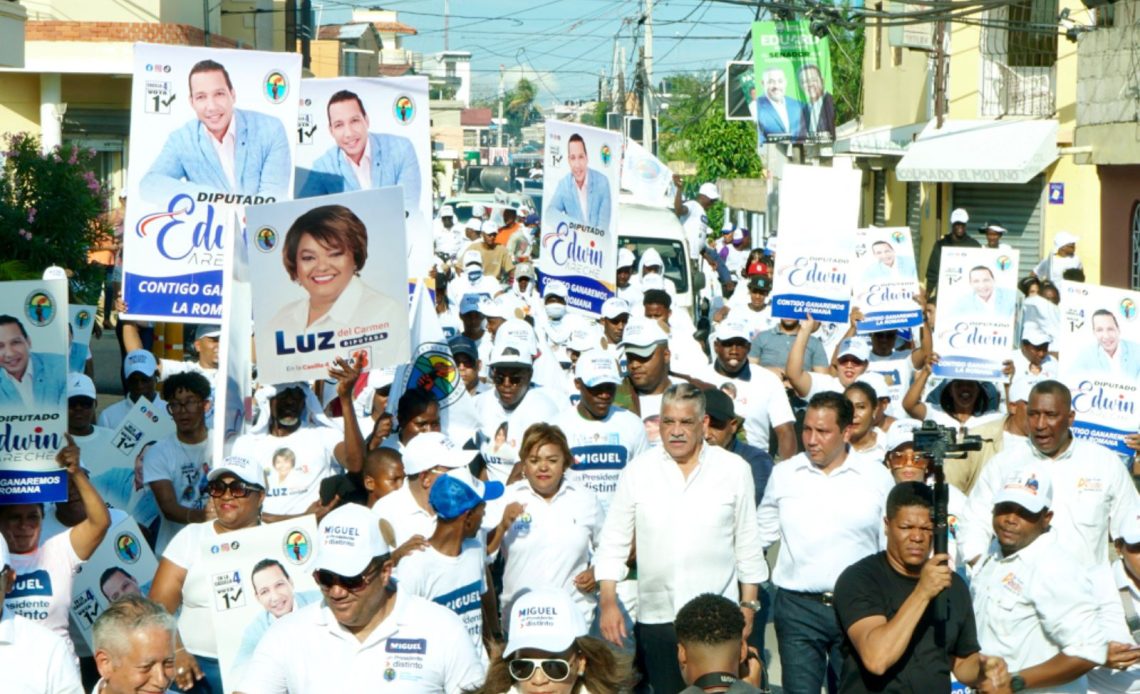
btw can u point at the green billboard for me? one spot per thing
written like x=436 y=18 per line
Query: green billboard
x=793 y=83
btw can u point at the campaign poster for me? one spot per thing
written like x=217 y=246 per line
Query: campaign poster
x=117 y=471
x=794 y=101
x=331 y=278
x=580 y=191
x=977 y=309
x=211 y=132
x=233 y=392
x=33 y=390
x=644 y=175
x=740 y=90
x=1099 y=348
x=817 y=243
x=257 y=575
x=123 y=564
x=383 y=122
x=886 y=279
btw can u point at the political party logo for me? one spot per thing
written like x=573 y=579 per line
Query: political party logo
x=1128 y=308
x=607 y=155
x=127 y=548
x=897 y=237
x=82 y=319
x=1004 y=262
x=40 y=308
x=389 y=673
x=297 y=546
x=404 y=109
x=276 y=87
x=266 y=239
x=435 y=372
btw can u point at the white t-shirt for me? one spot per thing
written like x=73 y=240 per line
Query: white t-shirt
x=35 y=660
x=184 y=465
x=601 y=448
x=761 y=400
x=406 y=517
x=551 y=542
x=42 y=590
x=93 y=444
x=420 y=648
x=500 y=446
x=113 y=415
x=195 y=620
x=300 y=486
x=650 y=406
x=457 y=583
x=696 y=225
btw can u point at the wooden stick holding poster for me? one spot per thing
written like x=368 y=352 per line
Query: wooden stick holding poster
x=977 y=307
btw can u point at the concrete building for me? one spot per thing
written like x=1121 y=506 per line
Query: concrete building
x=1005 y=149
x=395 y=60
x=1108 y=86
x=346 y=50
x=450 y=75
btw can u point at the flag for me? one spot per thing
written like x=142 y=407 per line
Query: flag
x=644 y=175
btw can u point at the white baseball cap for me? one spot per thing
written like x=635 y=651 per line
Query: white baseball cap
x=350 y=539
x=555 y=288
x=517 y=332
x=431 y=448
x=994 y=226
x=583 y=339
x=959 y=216
x=1019 y=388
x=732 y=330
x=80 y=385
x=614 y=307
x=495 y=308
x=596 y=367
x=1129 y=528
x=472 y=258
x=473 y=224
x=544 y=619
x=243 y=468
x=901 y=433
x=54 y=272
x=857 y=347
x=877 y=382
x=642 y=337
x=1034 y=335
x=625 y=258
x=378 y=378
x=1062 y=239
x=710 y=191
x=447 y=211
x=1028 y=487
x=511 y=354
x=139 y=361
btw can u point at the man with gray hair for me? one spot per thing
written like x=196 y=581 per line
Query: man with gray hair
x=134 y=647
x=32 y=657
x=689 y=510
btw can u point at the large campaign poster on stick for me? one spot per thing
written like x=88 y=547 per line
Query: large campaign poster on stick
x=256 y=576
x=977 y=307
x=116 y=469
x=817 y=243
x=33 y=414
x=580 y=190
x=331 y=275
x=794 y=101
x=211 y=132
x=123 y=564
x=1099 y=349
x=886 y=279
x=359 y=133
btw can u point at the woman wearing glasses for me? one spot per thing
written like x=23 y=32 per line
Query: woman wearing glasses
x=236 y=489
x=548 y=651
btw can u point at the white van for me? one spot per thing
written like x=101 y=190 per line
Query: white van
x=641 y=227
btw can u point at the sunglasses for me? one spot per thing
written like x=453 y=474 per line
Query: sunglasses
x=236 y=488
x=327 y=579
x=901 y=459
x=501 y=378
x=555 y=669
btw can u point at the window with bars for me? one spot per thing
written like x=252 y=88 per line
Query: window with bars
x=1019 y=58
x=1136 y=247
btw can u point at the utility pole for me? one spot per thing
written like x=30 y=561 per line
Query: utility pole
x=621 y=85
x=647 y=82
x=446 y=12
x=206 y=22
x=502 y=95
x=939 y=72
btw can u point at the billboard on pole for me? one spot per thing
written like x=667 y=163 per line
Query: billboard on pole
x=793 y=83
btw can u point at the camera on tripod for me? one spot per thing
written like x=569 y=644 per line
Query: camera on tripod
x=938 y=442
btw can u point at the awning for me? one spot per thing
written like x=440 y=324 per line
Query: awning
x=887 y=140
x=980 y=152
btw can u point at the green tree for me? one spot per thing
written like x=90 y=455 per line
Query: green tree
x=52 y=210
x=847 y=70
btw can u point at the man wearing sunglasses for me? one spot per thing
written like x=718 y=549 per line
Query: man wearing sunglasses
x=366 y=633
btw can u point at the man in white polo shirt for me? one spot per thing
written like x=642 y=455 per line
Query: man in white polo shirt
x=140 y=373
x=647 y=352
x=365 y=635
x=826 y=507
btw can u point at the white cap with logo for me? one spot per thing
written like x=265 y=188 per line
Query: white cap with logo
x=432 y=448
x=710 y=191
x=242 y=468
x=730 y=329
x=472 y=258
x=1029 y=488
x=80 y=385
x=959 y=216
x=350 y=539
x=544 y=619
x=597 y=367
x=139 y=361
x=857 y=347
x=614 y=307
x=642 y=337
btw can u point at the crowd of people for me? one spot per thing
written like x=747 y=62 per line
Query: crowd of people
x=606 y=519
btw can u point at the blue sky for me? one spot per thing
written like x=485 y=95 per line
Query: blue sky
x=562 y=44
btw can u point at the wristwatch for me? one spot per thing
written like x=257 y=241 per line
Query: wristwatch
x=753 y=605
x=1017 y=683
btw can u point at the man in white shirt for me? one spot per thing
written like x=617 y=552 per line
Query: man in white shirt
x=134 y=647
x=140 y=371
x=363 y=624
x=1033 y=360
x=757 y=393
x=647 y=353
x=448 y=237
x=686 y=352
x=1033 y=602
x=690 y=509
x=32 y=657
x=1092 y=491
x=826 y=508
x=205 y=347
x=694 y=213
x=615 y=316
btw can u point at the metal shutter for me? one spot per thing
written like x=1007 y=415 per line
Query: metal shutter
x=914 y=214
x=879 y=179
x=1016 y=207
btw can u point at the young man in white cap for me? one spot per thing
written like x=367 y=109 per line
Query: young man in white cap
x=602 y=436
x=451 y=569
x=81 y=401
x=472 y=280
x=140 y=371
x=757 y=393
x=408 y=509
x=694 y=213
x=648 y=356
x=448 y=238
x=615 y=316
x=957 y=238
x=627 y=289
x=1064 y=257
x=32 y=657
x=497 y=263
x=365 y=634
x=1033 y=360
x=205 y=359
x=994 y=234
x=1034 y=602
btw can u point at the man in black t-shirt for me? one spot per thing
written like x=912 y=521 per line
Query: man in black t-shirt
x=885 y=607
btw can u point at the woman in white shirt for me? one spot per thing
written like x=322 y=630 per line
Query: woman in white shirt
x=866 y=438
x=550 y=524
x=961 y=403
x=236 y=489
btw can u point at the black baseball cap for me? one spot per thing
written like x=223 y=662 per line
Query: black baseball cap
x=718 y=406
x=759 y=283
x=461 y=344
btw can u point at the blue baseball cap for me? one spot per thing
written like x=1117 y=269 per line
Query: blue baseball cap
x=458 y=491
x=470 y=303
x=461 y=344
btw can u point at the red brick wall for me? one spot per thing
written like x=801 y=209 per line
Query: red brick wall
x=119 y=32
